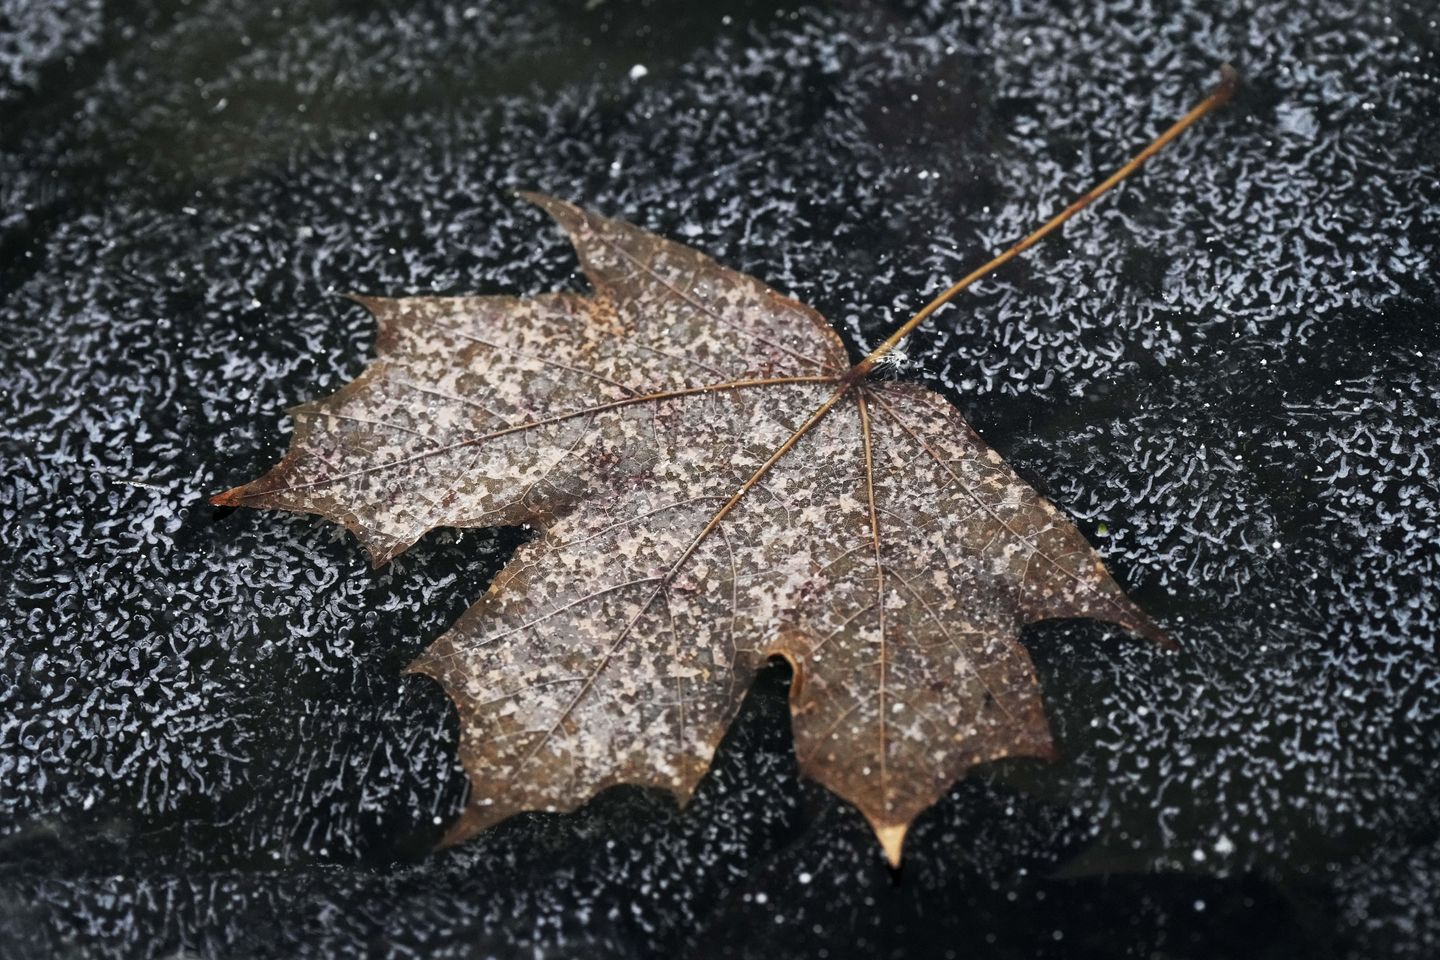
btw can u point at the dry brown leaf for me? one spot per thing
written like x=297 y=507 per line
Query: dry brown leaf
x=716 y=485
x=890 y=556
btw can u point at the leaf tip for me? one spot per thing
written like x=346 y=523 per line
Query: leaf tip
x=892 y=840
x=369 y=303
x=233 y=497
x=542 y=200
x=1143 y=626
x=563 y=212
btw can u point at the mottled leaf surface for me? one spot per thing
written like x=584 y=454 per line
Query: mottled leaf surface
x=888 y=555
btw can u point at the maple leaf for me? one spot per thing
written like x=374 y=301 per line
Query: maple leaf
x=715 y=484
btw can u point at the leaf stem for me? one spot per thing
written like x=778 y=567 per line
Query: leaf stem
x=1229 y=83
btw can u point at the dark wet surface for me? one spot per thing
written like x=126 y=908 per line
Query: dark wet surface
x=1228 y=374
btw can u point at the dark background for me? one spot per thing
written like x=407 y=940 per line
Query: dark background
x=1228 y=373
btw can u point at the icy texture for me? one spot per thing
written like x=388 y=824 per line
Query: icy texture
x=37 y=36
x=1227 y=373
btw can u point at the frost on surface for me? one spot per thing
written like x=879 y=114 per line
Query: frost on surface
x=34 y=35
x=1226 y=377
x=889 y=556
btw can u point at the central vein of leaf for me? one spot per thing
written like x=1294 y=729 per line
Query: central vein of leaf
x=1229 y=83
